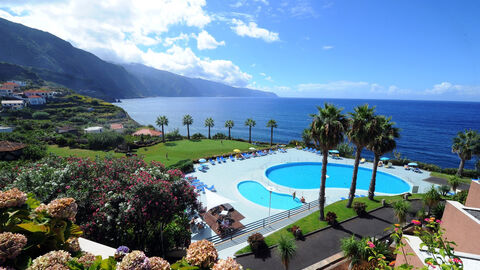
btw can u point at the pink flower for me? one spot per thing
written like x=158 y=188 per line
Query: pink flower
x=370 y=244
x=416 y=222
x=427 y=220
x=438 y=221
x=67 y=187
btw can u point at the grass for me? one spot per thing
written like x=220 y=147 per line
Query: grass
x=312 y=223
x=447 y=176
x=177 y=150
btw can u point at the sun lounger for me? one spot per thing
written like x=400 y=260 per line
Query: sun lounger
x=389 y=165
x=231 y=158
x=362 y=161
x=406 y=167
x=343 y=198
x=212 y=188
x=212 y=162
x=357 y=196
x=224 y=160
x=362 y=196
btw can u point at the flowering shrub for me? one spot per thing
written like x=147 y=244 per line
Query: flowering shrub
x=202 y=254
x=157 y=263
x=52 y=260
x=136 y=260
x=12 y=198
x=118 y=201
x=228 y=264
x=11 y=245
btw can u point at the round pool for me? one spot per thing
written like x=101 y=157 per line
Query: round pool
x=307 y=175
x=257 y=193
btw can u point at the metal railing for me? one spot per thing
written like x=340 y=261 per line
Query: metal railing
x=262 y=223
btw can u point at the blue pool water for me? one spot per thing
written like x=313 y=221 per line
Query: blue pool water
x=307 y=175
x=255 y=192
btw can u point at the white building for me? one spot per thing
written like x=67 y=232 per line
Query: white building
x=5 y=92
x=13 y=104
x=36 y=100
x=6 y=129
x=94 y=130
x=20 y=83
x=41 y=93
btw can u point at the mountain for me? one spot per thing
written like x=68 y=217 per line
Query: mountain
x=164 y=83
x=56 y=60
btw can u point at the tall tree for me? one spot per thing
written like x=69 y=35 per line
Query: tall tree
x=466 y=145
x=250 y=123
x=209 y=123
x=382 y=143
x=229 y=124
x=286 y=249
x=307 y=136
x=327 y=131
x=162 y=121
x=361 y=132
x=187 y=121
x=272 y=124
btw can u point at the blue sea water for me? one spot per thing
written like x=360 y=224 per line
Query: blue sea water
x=427 y=127
x=305 y=175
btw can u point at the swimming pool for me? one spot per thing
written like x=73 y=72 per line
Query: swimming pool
x=257 y=193
x=307 y=175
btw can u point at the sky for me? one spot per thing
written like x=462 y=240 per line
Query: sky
x=427 y=49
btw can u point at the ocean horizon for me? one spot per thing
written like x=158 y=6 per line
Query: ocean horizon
x=427 y=127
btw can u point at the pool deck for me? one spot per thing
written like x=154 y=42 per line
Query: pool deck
x=226 y=177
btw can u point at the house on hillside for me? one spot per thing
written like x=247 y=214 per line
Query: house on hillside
x=11 y=150
x=20 y=83
x=36 y=100
x=94 y=130
x=462 y=226
x=147 y=132
x=13 y=104
x=67 y=129
x=11 y=85
x=5 y=92
x=117 y=127
x=42 y=93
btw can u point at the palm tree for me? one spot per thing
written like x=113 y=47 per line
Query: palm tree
x=401 y=208
x=272 y=124
x=162 y=121
x=381 y=144
x=250 y=123
x=307 y=136
x=466 y=145
x=229 y=124
x=327 y=129
x=187 y=121
x=361 y=132
x=209 y=123
x=286 y=249
x=454 y=181
x=431 y=198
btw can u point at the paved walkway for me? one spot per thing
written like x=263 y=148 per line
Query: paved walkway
x=323 y=244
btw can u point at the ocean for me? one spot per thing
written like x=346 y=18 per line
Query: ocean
x=427 y=127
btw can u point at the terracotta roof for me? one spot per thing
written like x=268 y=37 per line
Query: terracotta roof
x=149 y=132
x=34 y=97
x=6 y=146
x=37 y=91
x=10 y=83
x=116 y=126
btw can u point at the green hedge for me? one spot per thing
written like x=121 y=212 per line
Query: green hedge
x=186 y=166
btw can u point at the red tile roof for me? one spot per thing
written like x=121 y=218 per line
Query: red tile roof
x=6 y=146
x=149 y=132
x=116 y=126
x=37 y=91
x=11 y=83
x=34 y=97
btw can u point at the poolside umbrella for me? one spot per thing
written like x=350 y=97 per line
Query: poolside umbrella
x=334 y=151
x=384 y=158
x=252 y=148
x=236 y=150
x=413 y=164
x=211 y=199
x=202 y=160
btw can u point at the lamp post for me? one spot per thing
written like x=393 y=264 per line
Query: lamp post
x=271 y=189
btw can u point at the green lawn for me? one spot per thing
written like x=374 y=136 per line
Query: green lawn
x=447 y=176
x=311 y=222
x=177 y=150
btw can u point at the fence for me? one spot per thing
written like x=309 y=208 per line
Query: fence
x=262 y=223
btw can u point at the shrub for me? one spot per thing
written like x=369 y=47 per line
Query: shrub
x=465 y=173
x=40 y=115
x=295 y=143
x=257 y=243
x=438 y=210
x=359 y=208
x=431 y=198
x=296 y=231
x=186 y=165
x=345 y=149
x=219 y=136
x=79 y=120
x=198 y=136
x=104 y=140
x=331 y=218
x=461 y=196
x=173 y=136
x=401 y=208
x=444 y=189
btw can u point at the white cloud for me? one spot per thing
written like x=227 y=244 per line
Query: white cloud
x=262 y=74
x=457 y=89
x=327 y=47
x=206 y=42
x=183 y=61
x=303 y=8
x=265 y=2
x=116 y=30
x=252 y=30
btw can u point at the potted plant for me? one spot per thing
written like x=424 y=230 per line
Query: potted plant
x=331 y=218
x=360 y=208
